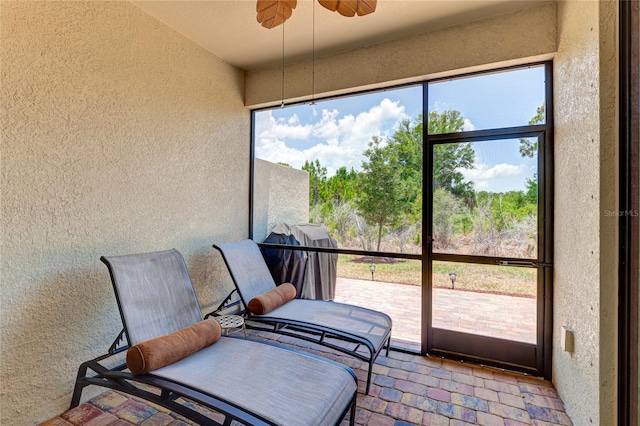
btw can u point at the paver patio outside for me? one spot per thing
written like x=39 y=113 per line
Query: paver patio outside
x=494 y=315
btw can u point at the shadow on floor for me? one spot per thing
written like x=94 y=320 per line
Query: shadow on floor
x=406 y=390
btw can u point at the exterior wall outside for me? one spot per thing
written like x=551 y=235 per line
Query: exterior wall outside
x=504 y=40
x=118 y=136
x=585 y=280
x=280 y=194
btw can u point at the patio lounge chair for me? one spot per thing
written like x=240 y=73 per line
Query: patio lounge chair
x=356 y=331
x=247 y=382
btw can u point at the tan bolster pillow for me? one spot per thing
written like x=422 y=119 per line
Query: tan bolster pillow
x=155 y=353
x=272 y=299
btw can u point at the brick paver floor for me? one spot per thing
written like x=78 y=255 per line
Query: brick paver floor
x=493 y=315
x=407 y=390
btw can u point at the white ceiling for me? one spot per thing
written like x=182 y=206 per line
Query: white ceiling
x=229 y=29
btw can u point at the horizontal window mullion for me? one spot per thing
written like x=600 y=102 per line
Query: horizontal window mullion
x=491 y=134
x=486 y=260
x=344 y=251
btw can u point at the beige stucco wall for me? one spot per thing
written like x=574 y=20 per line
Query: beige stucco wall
x=503 y=40
x=118 y=136
x=585 y=280
x=280 y=194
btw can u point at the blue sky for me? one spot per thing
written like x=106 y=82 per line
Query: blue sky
x=337 y=131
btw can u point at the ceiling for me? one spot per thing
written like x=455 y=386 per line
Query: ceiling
x=229 y=29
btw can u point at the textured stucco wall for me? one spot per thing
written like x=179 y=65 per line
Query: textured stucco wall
x=118 y=136
x=506 y=39
x=585 y=281
x=281 y=194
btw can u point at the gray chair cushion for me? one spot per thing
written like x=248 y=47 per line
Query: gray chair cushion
x=284 y=386
x=155 y=293
x=366 y=323
x=247 y=268
x=252 y=277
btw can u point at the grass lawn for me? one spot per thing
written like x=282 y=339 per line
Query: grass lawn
x=485 y=278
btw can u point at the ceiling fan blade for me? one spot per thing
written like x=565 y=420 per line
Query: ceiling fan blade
x=271 y=13
x=366 y=7
x=350 y=8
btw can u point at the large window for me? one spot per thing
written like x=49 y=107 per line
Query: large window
x=437 y=197
x=352 y=149
x=361 y=157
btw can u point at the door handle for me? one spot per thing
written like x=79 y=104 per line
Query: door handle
x=528 y=263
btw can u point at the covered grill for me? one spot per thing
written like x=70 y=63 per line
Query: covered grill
x=313 y=274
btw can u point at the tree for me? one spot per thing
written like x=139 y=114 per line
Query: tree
x=342 y=219
x=407 y=144
x=388 y=190
x=445 y=207
x=448 y=162
x=449 y=121
x=529 y=147
x=450 y=159
x=531 y=186
x=341 y=187
x=317 y=181
x=390 y=184
x=363 y=232
x=380 y=189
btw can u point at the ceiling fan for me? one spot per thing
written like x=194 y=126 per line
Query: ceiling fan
x=272 y=13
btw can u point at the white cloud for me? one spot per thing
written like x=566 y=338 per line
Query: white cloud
x=327 y=127
x=468 y=125
x=480 y=185
x=484 y=172
x=334 y=140
x=441 y=107
x=276 y=151
x=269 y=128
x=499 y=177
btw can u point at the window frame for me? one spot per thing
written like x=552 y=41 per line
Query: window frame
x=545 y=212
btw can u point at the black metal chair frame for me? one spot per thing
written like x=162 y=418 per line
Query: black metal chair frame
x=118 y=379
x=318 y=335
x=313 y=333
x=95 y=372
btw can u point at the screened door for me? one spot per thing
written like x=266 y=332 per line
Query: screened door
x=487 y=271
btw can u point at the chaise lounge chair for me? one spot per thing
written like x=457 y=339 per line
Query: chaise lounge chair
x=245 y=381
x=356 y=331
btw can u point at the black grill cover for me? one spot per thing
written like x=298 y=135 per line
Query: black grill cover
x=313 y=274
x=286 y=266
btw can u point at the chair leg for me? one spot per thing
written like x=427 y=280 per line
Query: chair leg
x=79 y=385
x=352 y=416
x=77 y=393
x=369 y=376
